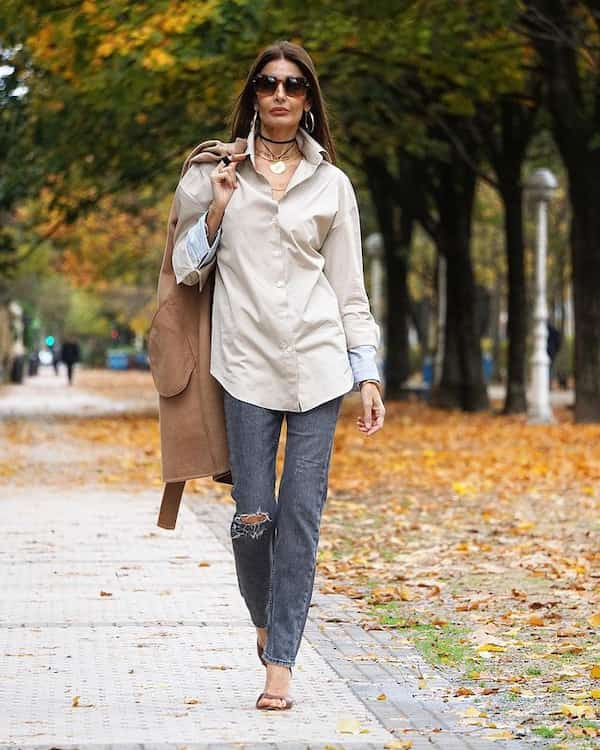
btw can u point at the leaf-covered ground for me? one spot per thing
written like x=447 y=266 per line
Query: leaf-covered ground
x=475 y=537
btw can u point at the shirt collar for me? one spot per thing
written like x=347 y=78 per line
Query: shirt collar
x=311 y=148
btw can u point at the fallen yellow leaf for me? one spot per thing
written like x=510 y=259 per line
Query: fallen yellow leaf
x=348 y=726
x=536 y=620
x=578 y=710
x=473 y=711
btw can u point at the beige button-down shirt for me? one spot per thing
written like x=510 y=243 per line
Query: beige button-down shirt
x=289 y=296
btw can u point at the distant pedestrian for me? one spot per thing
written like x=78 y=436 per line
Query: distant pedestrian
x=55 y=358
x=70 y=354
x=553 y=347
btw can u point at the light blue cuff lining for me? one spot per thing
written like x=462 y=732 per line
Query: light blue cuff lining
x=363 y=364
x=199 y=251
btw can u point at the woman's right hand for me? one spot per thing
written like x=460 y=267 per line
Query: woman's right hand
x=224 y=180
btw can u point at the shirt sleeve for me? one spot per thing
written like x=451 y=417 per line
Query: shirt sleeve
x=199 y=251
x=363 y=364
x=342 y=250
x=192 y=198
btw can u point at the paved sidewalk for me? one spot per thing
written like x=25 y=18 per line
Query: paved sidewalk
x=47 y=394
x=145 y=630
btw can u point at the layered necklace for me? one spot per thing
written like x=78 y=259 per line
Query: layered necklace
x=278 y=165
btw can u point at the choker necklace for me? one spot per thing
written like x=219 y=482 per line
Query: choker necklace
x=278 y=164
x=264 y=137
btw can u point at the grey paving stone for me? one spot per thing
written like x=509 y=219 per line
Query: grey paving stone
x=172 y=632
x=167 y=634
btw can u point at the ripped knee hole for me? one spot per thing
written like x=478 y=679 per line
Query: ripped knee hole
x=250 y=524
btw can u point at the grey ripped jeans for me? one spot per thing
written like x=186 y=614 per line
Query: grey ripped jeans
x=275 y=539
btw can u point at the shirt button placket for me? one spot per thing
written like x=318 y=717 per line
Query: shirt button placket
x=286 y=347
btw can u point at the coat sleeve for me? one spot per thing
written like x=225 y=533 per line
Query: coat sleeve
x=192 y=198
x=342 y=250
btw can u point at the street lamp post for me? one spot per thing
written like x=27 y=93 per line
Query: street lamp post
x=540 y=186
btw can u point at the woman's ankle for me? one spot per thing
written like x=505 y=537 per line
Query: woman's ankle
x=261 y=634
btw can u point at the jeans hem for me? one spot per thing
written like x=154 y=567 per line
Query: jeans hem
x=283 y=662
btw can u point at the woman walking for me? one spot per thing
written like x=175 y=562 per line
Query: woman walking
x=292 y=332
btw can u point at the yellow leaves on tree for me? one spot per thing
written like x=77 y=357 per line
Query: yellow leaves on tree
x=112 y=244
x=52 y=47
x=158 y=59
x=148 y=35
x=150 y=41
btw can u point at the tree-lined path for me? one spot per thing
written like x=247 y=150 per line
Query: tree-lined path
x=117 y=632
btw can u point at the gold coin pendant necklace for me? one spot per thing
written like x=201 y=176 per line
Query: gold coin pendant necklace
x=278 y=165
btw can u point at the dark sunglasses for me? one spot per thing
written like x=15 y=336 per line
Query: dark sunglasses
x=294 y=85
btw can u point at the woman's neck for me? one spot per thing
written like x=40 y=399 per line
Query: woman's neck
x=277 y=134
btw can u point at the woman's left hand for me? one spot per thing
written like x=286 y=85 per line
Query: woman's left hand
x=373 y=409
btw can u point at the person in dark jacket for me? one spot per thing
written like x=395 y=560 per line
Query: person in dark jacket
x=70 y=354
x=553 y=347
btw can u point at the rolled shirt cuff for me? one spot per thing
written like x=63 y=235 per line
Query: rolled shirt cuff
x=200 y=253
x=363 y=364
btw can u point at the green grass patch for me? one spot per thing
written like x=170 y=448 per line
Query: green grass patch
x=545 y=732
x=445 y=645
x=388 y=613
x=439 y=644
x=534 y=671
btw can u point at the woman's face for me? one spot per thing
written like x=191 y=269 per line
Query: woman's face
x=294 y=106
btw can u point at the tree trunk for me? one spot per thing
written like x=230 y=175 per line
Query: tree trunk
x=574 y=103
x=496 y=332
x=507 y=136
x=516 y=398
x=462 y=383
x=585 y=254
x=396 y=229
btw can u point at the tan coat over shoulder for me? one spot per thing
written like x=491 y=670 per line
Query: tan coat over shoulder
x=193 y=438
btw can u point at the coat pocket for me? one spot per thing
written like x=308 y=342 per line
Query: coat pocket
x=169 y=352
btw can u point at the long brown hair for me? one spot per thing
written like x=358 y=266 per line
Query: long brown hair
x=243 y=111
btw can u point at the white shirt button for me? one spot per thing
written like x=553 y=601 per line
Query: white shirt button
x=280 y=283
